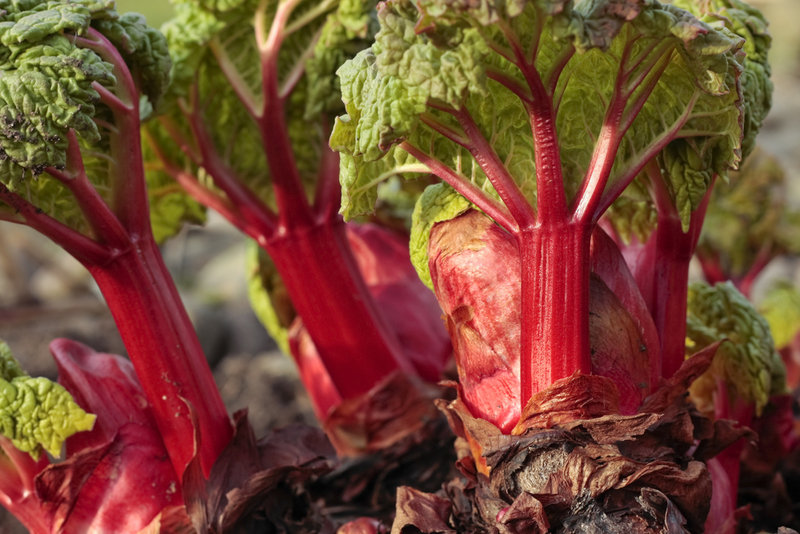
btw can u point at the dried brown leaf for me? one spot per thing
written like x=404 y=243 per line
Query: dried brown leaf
x=419 y=512
x=393 y=409
x=569 y=399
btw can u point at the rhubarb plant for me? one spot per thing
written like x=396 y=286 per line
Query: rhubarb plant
x=250 y=109
x=77 y=81
x=541 y=115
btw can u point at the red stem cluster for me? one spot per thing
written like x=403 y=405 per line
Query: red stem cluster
x=123 y=258
x=554 y=240
x=305 y=240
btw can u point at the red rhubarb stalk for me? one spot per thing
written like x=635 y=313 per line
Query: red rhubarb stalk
x=165 y=352
x=666 y=270
x=555 y=305
x=122 y=256
x=305 y=240
x=329 y=294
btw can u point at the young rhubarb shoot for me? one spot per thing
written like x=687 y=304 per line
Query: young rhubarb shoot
x=540 y=114
x=78 y=79
x=117 y=475
x=253 y=98
x=126 y=479
x=747 y=369
x=37 y=415
x=748 y=224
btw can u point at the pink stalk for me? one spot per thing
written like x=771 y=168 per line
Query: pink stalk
x=329 y=294
x=305 y=240
x=555 y=305
x=166 y=353
x=663 y=276
x=314 y=259
x=290 y=197
x=153 y=324
x=147 y=307
x=311 y=252
x=17 y=487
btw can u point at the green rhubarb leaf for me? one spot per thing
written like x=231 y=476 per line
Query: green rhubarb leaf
x=361 y=181
x=193 y=36
x=747 y=362
x=217 y=64
x=345 y=32
x=749 y=23
x=439 y=202
x=144 y=50
x=696 y=102
x=36 y=413
x=687 y=165
x=673 y=79
x=781 y=308
x=48 y=88
x=268 y=296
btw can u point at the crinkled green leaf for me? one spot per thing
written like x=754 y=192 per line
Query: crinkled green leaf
x=781 y=308
x=190 y=36
x=32 y=23
x=36 y=413
x=439 y=202
x=685 y=164
x=749 y=23
x=46 y=89
x=361 y=180
x=701 y=78
x=144 y=50
x=268 y=296
x=748 y=362
x=395 y=99
x=390 y=84
x=433 y=55
x=346 y=31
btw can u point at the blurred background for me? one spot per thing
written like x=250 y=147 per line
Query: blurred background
x=45 y=294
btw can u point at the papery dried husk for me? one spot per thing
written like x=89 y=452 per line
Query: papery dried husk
x=605 y=472
x=262 y=485
x=393 y=409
